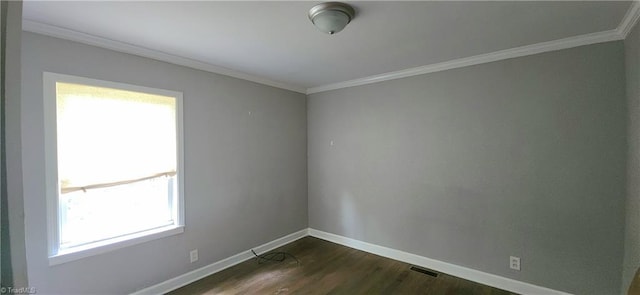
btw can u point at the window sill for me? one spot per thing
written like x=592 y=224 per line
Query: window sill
x=93 y=249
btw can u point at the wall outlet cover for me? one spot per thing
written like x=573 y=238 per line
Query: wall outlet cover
x=514 y=262
x=193 y=255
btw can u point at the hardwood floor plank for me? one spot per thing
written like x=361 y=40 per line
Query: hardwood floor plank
x=328 y=268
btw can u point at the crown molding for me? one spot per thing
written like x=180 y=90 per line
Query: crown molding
x=629 y=20
x=559 y=44
x=620 y=33
x=63 y=33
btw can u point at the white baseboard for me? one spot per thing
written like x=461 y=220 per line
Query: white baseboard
x=448 y=268
x=192 y=276
x=452 y=269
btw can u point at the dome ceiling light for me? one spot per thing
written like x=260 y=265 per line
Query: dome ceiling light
x=331 y=17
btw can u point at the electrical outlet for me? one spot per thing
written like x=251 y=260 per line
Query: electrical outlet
x=193 y=255
x=514 y=262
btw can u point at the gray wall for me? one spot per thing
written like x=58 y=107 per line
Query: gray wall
x=523 y=157
x=245 y=175
x=632 y=230
x=17 y=275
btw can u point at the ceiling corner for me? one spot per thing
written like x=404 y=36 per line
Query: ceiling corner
x=629 y=19
x=67 y=34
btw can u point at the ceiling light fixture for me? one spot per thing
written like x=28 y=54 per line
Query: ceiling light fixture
x=331 y=17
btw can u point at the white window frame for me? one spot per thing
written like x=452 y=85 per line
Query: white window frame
x=58 y=256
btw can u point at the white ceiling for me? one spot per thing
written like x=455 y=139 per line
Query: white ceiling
x=274 y=42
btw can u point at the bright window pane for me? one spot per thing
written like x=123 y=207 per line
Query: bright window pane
x=104 y=213
x=107 y=135
x=116 y=152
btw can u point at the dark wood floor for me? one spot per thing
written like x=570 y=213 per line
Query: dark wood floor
x=328 y=268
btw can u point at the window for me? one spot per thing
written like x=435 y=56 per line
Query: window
x=113 y=158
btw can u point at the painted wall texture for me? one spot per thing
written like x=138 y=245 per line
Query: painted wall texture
x=632 y=229
x=13 y=225
x=522 y=157
x=245 y=173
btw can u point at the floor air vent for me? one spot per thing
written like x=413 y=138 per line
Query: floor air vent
x=425 y=271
